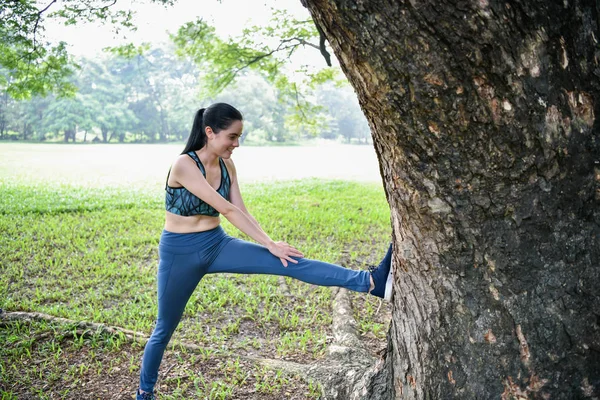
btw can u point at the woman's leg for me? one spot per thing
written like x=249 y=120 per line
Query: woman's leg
x=241 y=257
x=178 y=276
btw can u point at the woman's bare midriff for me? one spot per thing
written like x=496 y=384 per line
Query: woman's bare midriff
x=195 y=223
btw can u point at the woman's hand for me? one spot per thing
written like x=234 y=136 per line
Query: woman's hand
x=284 y=252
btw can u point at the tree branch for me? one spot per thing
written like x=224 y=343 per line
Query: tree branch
x=45 y=9
x=91 y=9
x=322 y=47
x=258 y=58
x=37 y=22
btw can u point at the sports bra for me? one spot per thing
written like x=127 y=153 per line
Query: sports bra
x=181 y=201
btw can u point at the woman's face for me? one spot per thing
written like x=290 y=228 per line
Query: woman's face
x=224 y=142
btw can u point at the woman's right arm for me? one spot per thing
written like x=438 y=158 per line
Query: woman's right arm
x=187 y=174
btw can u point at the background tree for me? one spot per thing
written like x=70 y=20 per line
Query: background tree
x=161 y=87
x=341 y=104
x=29 y=64
x=69 y=115
x=7 y=105
x=154 y=89
x=29 y=118
x=484 y=119
x=149 y=94
x=265 y=50
x=265 y=112
x=102 y=81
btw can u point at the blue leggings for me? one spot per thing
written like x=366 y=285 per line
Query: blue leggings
x=186 y=257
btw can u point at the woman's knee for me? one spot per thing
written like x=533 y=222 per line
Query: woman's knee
x=162 y=332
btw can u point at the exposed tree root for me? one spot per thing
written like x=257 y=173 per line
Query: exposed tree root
x=91 y=328
x=346 y=371
x=81 y=325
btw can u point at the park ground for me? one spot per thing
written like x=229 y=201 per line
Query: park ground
x=79 y=232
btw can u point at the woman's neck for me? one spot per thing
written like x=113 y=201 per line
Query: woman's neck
x=207 y=157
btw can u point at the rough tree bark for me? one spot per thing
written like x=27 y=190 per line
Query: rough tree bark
x=484 y=118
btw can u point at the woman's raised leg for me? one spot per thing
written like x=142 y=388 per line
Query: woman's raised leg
x=241 y=257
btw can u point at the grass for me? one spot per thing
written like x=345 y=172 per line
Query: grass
x=90 y=253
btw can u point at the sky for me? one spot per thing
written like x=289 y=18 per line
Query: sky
x=229 y=17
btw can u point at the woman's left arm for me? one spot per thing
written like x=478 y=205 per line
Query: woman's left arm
x=235 y=195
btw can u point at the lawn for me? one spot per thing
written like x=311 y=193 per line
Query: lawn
x=75 y=248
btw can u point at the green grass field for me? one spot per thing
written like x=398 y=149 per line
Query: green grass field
x=88 y=252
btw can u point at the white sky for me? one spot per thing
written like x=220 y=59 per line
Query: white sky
x=229 y=17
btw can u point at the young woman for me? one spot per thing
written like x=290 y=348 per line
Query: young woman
x=201 y=185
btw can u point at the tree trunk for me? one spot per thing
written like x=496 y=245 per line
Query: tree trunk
x=70 y=134
x=483 y=116
x=104 y=132
x=26 y=129
x=3 y=113
x=164 y=131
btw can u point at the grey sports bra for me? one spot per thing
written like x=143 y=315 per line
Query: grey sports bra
x=181 y=201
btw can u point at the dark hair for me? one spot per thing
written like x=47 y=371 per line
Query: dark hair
x=218 y=116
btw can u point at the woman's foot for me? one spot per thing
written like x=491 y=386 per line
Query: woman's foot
x=382 y=278
x=140 y=395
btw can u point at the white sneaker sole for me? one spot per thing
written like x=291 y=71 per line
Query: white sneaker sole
x=389 y=286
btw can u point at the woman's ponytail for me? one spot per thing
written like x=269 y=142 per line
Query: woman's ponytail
x=197 y=138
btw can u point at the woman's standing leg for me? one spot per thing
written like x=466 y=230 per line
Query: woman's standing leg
x=178 y=276
x=241 y=257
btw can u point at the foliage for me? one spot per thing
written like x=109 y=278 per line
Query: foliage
x=152 y=95
x=146 y=94
x=30 y=65
x=262 y=49
x=163 y=93
x=265 y=50
x=263 y=113
x=152 y=98
x=28 y=118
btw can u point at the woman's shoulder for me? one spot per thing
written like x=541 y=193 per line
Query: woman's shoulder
x=185 y=157
x=184 y=160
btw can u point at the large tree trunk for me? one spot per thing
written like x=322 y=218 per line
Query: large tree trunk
x=483 y=116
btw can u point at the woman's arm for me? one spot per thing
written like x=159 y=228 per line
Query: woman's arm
x=235 y=194
x=187 y=174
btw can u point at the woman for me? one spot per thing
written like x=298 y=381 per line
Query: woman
x=201 y=185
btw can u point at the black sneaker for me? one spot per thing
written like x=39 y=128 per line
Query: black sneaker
x=382 y=277
x=144 y=396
